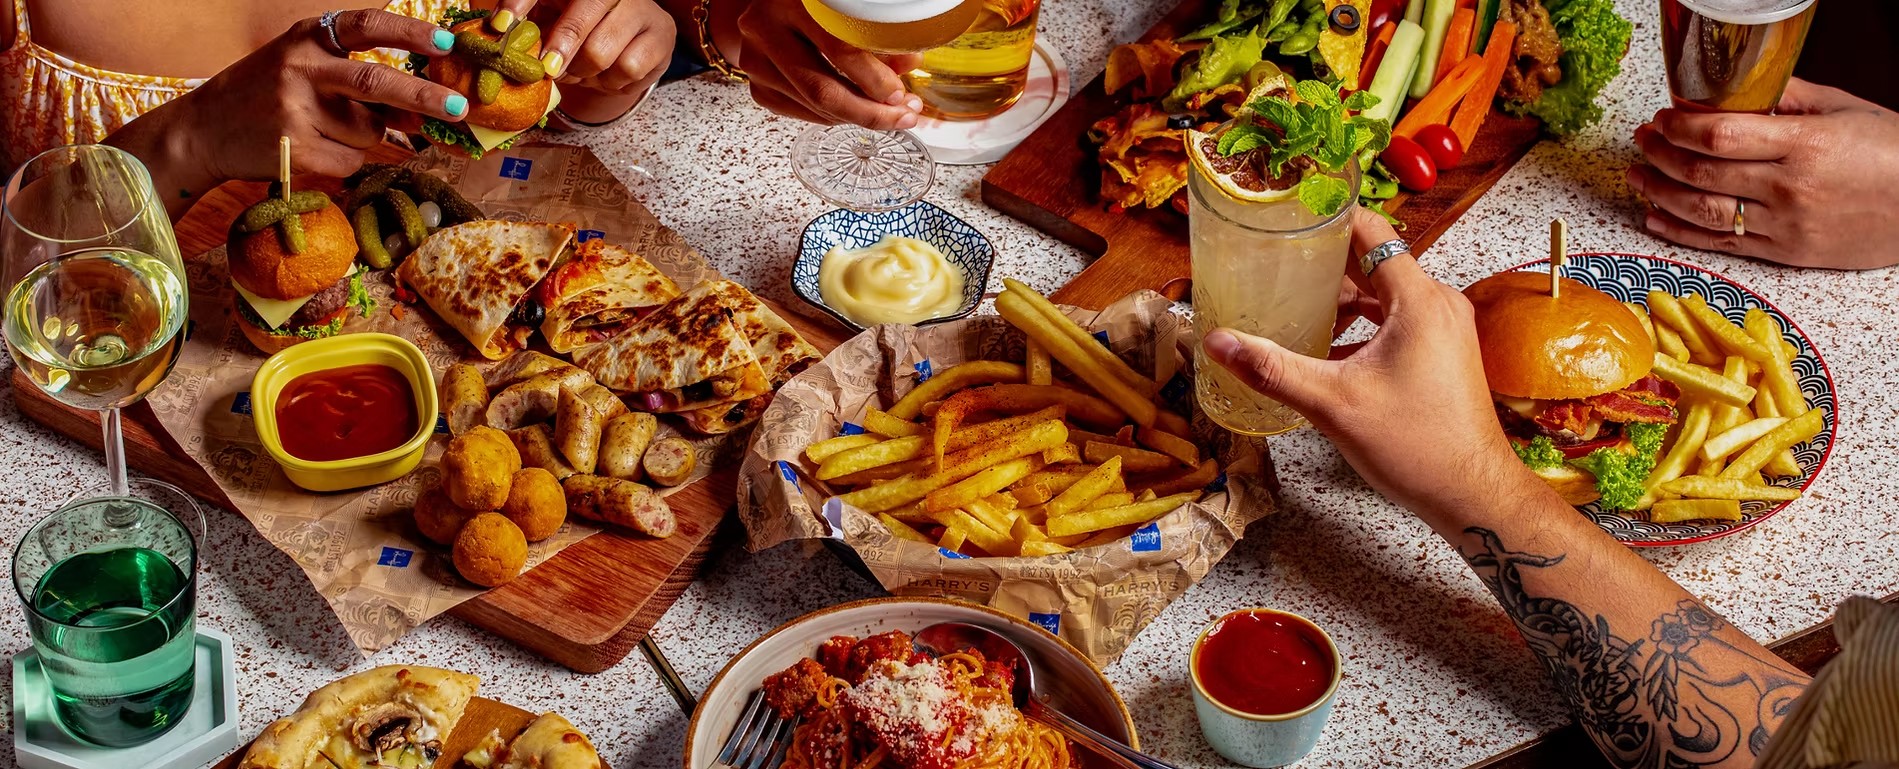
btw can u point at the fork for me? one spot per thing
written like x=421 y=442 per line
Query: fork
x=759 y=740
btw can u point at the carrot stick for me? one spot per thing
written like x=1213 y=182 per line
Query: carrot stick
x=1456 y=42
x=1476 y=107
x=1375 y=54
x=1437 y=104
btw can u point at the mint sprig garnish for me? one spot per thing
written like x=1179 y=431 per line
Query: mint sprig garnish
x=1317 y=125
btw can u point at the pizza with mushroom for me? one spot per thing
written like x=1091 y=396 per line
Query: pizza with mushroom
x=391 y=717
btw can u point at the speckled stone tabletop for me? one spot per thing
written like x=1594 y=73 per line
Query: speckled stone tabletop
x=1434 y=673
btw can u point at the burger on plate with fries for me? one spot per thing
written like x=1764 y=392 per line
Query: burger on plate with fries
x=1065 y=449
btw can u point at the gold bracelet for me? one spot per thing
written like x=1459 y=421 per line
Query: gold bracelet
x=702 y=17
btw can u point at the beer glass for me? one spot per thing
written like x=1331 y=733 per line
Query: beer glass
x=1732 y=55
x=982 y=72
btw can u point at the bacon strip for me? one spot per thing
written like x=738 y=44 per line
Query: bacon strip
x=1626 y=407
x=1653 y=387
x=1570 y=416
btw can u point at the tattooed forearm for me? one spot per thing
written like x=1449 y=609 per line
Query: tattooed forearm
x=1672 y=695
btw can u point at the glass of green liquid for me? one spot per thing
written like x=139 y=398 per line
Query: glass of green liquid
x=110 y=588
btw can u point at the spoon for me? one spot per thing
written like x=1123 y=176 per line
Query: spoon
x=952 y=637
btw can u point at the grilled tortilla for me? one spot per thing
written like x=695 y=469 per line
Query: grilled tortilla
x=780 y=351
x=474 y=274
x=600 y=291
x=684 y=356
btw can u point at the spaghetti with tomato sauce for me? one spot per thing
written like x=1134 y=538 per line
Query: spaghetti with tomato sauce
x=876 y=703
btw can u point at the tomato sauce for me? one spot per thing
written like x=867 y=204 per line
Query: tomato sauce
x=352 y=411
x=1264 y=664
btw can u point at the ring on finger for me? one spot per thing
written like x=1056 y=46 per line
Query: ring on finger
x=1382 y=253
x=328 y=39
x=1740 y=218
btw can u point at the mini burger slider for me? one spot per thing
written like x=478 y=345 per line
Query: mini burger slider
x=1570 y=376
x=508 y=89
x=293 y=262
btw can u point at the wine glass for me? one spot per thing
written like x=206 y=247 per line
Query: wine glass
x=96 y=290
x=858 y=168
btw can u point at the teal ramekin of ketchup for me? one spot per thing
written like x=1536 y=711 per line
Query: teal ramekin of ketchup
x=345 y=411
x=1264 y=682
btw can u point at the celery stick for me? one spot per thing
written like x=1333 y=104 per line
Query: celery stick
x=1395 y=71
x=1414 y=11
x=1486 y=20
x=1437 y=21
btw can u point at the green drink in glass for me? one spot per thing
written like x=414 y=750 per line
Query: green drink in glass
x=110 y=590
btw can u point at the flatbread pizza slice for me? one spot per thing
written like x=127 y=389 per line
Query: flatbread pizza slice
x=391 y=717
x=684 y=356
x=600 y=291
x=550 y=742
x=781 y=354
x=474 y=275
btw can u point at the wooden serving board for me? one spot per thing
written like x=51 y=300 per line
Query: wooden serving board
x=482 y=716
x=585 y=608
x=1052 y=181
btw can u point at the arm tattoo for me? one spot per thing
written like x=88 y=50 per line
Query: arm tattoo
x=1678 y=696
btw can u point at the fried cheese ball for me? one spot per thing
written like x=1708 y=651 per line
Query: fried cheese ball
x=490 y=551
x=439 y=518
x=536 y=503
x=478 y=467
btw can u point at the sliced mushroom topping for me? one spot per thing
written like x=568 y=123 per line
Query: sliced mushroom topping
x=383 y=728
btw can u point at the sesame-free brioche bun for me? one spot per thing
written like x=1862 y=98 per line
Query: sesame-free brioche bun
x=520 y=105
x=1575 y=345
x=1575 y=485
x=260 y=264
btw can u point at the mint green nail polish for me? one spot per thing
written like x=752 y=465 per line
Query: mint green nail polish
x=444 y=40
x=457 y=104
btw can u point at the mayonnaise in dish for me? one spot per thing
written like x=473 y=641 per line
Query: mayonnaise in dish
x=895 y=280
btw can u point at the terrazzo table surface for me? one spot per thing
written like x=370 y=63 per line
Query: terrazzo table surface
x=1434 y=673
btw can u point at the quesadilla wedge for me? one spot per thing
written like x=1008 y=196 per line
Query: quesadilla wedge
x=550 y=742
x=780 y=351
x=395 y=715
x=473 y=275
x=598 y=292
x=684 y=356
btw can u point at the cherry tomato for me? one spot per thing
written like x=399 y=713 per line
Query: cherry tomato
x=1442 y=144
x=1383 y=11
x=1410 y=164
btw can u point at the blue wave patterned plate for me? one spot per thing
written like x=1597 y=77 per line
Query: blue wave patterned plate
x=962 y=244
x=1629 y=278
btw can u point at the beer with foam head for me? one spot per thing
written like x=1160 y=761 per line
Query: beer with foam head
x=1732 y=55
x=894 y=26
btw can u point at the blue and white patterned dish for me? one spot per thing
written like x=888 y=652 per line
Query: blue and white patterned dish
x=1629 y=278
x=963 y=245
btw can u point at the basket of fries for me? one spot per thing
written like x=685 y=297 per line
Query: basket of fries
x=1046 y=463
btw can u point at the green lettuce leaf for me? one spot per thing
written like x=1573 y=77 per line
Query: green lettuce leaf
x=1594 y=39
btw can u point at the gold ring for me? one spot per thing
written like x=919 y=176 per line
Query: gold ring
x=1740 y=218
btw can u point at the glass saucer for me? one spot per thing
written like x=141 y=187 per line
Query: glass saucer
x=863 y=170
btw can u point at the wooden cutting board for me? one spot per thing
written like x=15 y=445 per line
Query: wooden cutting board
x=482 y=716
x=1053 y=182
x=585 y=608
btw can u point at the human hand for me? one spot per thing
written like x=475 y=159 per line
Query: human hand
x=1816 y=179
x=799 y=70
x=1409 y=409
x=613 y=46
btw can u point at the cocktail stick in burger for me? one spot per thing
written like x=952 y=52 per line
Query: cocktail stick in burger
x=1571 y=377
x=293 y=261
x=501 y=74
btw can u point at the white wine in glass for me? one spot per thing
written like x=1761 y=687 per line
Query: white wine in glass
x=96 y=295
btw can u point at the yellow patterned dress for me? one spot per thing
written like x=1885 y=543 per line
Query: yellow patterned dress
x=47 y=100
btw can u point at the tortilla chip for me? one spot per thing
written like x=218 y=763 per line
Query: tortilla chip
x=1150 y=63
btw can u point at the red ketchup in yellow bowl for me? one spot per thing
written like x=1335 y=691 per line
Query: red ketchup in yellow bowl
x=345 y=412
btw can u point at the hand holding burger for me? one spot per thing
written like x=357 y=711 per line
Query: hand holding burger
x=508 y=88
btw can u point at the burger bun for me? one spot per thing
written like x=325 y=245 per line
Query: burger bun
x=260 y=264
x=1577 y=344
x=519 y=107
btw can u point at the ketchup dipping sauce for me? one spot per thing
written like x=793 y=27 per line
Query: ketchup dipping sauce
x=1264 y=663
x=351 y=411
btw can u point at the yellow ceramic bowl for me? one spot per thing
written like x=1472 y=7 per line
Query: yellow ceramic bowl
x=336 y=352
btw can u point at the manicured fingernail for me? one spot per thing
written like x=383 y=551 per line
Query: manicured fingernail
x=456 y=104
x=502 y=21
x=1221 y=346
x=444 y=40
x=554 y=63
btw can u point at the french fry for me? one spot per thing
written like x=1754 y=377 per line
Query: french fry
x=968 y=491
x=1725 y=417
x=1065 y=454
x=962 y=439
x=1096 y=520
x=825 y=449
x=1670 y=342
x=1043 y=547
x=1012 y=399
x=882 y=423
x=978 y=534
x=929 y=409
x=1679 y=510
x=1180 y=480
x=884 y=473
x=949 y=380
x=1668 y=309
x=1739 y=437
x=1694 y=431
x=866 y=457
x=1641 y=314
x=1025 y=530
x=953 y=539
x=1723 y=333
x=1054 y=319
x=1082 y=437
x=902 y=530
x=1172 y=445
x=1002 y=500
x=1789 y=434
x=1146 y=495
x=1041 y=371
x=1777 y=375
x=1701 y=382
x=1173 y=424
x=1135 y=404
x=1782 y=465
x=911 y=513
x=1123 y=436
x=1697 y=487
x=1002 y=519
x=1132 y=459
x=1107 y=536
x=883 y=496
x=1097 y=482
x=1111 y=499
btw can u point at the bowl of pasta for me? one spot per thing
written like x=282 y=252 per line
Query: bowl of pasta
x=863 y=697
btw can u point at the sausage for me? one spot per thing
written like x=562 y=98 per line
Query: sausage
x=464 y=397
x=577 y=429
x=536 y=446
x=604 y=401
x=534 y=399
x=522 y=365
x=620 y=503
x=669 y=462
x=624 y=443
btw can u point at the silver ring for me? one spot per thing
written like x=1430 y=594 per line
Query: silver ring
x=328 y=22
x=1740 y=218
x=1382 y=253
